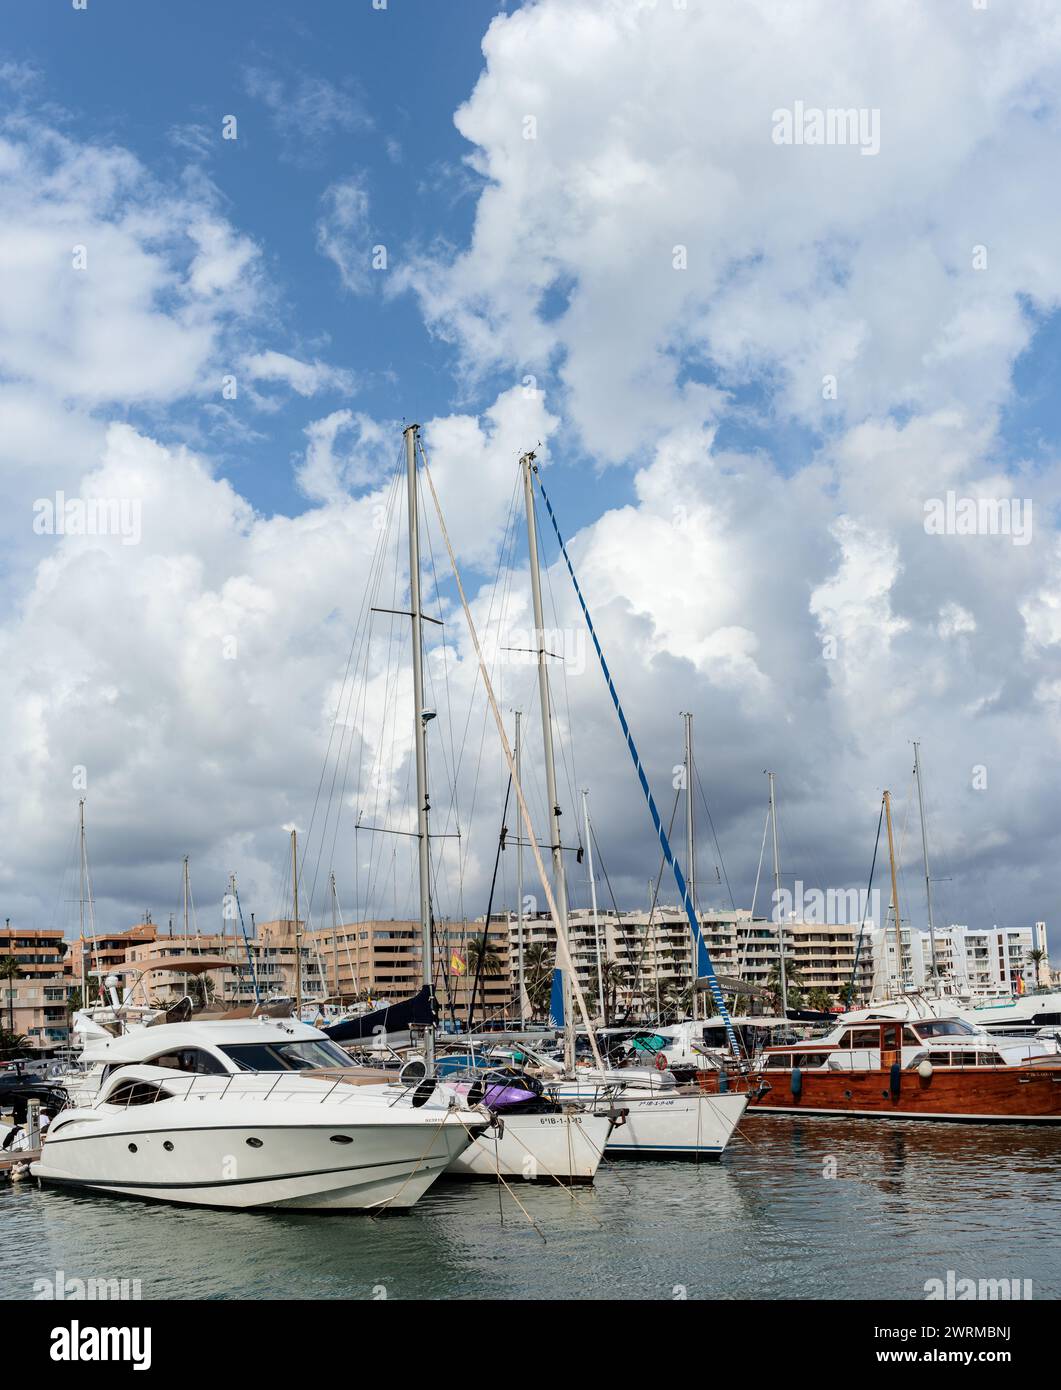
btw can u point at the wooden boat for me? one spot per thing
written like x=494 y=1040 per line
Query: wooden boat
x=923 y=1069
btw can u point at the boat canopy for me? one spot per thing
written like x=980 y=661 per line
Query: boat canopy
x=185 y=965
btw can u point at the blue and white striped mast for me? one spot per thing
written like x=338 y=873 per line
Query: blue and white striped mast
x=704 y=968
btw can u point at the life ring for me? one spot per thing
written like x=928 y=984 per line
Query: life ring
x=661 y=1061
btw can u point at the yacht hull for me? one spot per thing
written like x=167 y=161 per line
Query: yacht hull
x=669 y=1122
x=330 y=1167
x=563 y=1148
x=1019 y=1095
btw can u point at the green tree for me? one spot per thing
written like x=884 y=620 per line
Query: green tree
x=484 y=962
x=1037 y=957
x=793 y=983
x=538 y=962
x=819 y=999
x=675 y=998
x=10 y=971
x=13 y=1045
x=614 y=977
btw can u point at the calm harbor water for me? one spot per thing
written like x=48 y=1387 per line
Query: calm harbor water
x=908 y=1202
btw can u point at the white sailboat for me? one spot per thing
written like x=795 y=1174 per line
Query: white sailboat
x=661 y=1120
x=565 y=1143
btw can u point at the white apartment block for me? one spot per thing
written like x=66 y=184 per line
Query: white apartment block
x=985 y=962
x=656 y=955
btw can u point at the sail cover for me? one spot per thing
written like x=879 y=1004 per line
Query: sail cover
x=416 y=1012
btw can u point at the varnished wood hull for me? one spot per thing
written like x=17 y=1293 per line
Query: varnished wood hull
x=1023 y=1095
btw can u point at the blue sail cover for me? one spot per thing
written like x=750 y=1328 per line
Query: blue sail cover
x=556 y=1001
x=416 y=1012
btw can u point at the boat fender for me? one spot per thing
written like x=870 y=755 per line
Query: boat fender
x=661 y=1061
x=797 y=1081
x=896 y=1080
x=723 y=1083
x=924 y=1070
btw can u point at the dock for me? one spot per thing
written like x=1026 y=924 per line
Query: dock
x=10 y=1160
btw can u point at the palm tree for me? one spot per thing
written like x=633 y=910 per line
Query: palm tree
x=793 y=984
x=613 y=976
x=819 y=999
x=674 y=1000
x=202 y=991
x=1036 y=957
x=12 y=1044
x=484 y=959
x=10 y=970
x=538 y=962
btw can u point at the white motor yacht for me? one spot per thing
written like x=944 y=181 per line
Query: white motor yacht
x=253 y=1139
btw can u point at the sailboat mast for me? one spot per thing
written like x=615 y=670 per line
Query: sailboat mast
x=519 y=884
x=777 y=898
x=690 y=846
x=184 y=879
x=593 y=900
x=559 y=876
x=420 y=716
x=298 y=927
x=895 y=895
x=81 y=852
x=335 y=939
x=928 y=876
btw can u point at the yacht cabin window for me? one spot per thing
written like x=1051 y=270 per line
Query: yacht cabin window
x=943 y=1028
x=190 y=1059
x=288 y=1056
x=137 y=1093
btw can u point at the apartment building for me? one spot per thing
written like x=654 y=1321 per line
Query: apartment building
x=988 y=962
x=95 y=957
x=33 y=1006
x=654 y=954
x=384 y=960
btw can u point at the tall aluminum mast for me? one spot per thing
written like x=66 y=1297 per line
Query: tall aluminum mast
x=519 y=885
x=928 y=875
x=559 y=876
x=690 y=849
x=895 y=897
x=298 y=928
x=420 y=718
x=81 y=898
x=593 y=900
x=778 y=900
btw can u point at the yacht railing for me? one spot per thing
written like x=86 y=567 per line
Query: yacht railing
x=206 y=1087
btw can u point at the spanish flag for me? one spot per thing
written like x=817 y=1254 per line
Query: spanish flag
x=456 y=964
x=1020 y=985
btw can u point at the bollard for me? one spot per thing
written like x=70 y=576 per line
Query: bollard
x=33 y=1125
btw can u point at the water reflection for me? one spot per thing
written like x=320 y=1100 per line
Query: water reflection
x=802 y=1207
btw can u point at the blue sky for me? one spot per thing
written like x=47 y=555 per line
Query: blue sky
x=727 y=516
x=130 y=73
